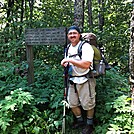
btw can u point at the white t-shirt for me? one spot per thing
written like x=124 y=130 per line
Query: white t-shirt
x=87 y=55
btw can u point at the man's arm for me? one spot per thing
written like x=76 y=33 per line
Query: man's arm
x=79 y=63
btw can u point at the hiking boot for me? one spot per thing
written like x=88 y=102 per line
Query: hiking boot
x=88 y=129
x=78 y=124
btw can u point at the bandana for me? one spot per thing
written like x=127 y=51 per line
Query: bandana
x=74 y=28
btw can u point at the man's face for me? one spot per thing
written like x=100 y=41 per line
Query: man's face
x=73 y=36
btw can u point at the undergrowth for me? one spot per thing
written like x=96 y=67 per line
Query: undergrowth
x=38 y=108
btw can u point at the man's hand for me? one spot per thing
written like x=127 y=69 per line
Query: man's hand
x=64 y=62
x=79 y=63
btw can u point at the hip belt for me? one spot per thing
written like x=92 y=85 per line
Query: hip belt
x=88 y=75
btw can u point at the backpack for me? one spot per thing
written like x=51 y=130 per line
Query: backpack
x=98 y=60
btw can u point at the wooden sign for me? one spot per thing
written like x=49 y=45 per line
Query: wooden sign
x=45 y=36
x=41 y=36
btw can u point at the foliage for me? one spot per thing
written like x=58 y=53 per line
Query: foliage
x=48 y=90
x=52 y=13
x=38 y=108
x=14 y=51
x=115 y=36
x=113 y=101
x=11 y=77
x=19 y=115
x=49 y=53
x=46 y=93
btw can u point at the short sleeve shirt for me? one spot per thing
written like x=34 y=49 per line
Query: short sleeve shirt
x=87 y=55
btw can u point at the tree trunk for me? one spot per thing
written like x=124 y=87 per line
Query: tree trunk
x=89 y=4
x=9 y=9
x=131 y=59
x=79 y=13
x=31 y=3
x=9 y=14
x=100 y=14
x=22 y=14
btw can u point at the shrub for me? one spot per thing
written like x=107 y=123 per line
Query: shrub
x=19 y=114
x=113 y=111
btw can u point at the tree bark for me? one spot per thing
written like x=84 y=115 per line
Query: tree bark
x=22 y=15
x=9 y=9
x=31 y=3
x=90 y=18
x=9 y=13
x=131 y=59
x=79 y=13
x=100 y=14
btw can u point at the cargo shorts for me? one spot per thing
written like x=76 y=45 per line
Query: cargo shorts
x=83 y=95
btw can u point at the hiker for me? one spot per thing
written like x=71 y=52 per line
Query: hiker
x=81 y=89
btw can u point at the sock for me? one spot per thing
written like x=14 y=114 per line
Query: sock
x=79 y=118
x=89 y=120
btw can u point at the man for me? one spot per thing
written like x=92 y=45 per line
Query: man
x=81 y=89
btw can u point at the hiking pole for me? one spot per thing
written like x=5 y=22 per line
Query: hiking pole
x=65 y=97
x=65 y=75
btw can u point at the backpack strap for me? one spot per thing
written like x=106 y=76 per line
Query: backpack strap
x=80 y=48
x=79 y=51
x=66 y=50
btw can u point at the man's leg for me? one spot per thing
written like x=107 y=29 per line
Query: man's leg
x=74 y=104
x=79 y=119
x=90 y=115
x=89 y=103
x=89 y=123
x=76 y=111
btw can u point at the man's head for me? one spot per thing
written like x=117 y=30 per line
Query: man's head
x=74 y=28
x=73 y=34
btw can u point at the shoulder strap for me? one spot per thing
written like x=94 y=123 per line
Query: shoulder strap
x=80 y=48
x=66 y=50
x=79 y=52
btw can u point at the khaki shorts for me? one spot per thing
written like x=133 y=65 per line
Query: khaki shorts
x=85 y=95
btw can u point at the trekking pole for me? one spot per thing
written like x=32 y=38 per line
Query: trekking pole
x=65 y=97
x=63 y=122
x=65 y=75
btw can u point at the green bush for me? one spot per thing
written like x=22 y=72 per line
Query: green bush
x=19 y=114
x=38 y=108
x=113 y=111
x=11 y=78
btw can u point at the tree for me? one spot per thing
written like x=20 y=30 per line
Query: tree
x=79 y=13
x=131 y=58
x=101 y=14
x=22 y=15
x=31 y=3
x=9 y=13
x=90 y=17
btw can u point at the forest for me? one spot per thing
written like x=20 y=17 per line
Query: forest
x=37 y=107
